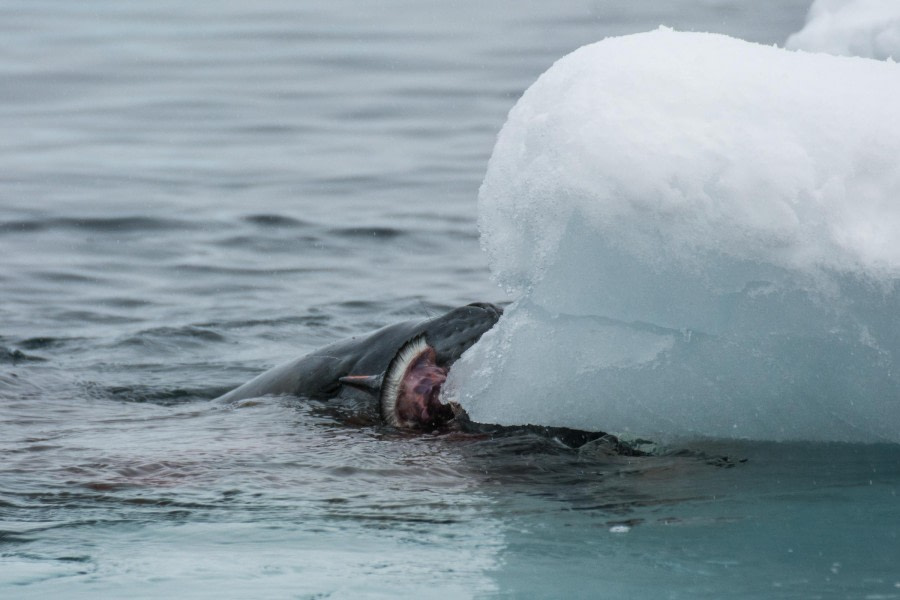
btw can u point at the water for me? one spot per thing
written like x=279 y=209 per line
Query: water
x=190 y=193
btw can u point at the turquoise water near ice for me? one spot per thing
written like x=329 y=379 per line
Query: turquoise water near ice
x=191 y=193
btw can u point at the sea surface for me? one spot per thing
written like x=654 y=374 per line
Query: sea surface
x=192 y=192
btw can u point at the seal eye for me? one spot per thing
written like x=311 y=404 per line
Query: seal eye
x=411 y=387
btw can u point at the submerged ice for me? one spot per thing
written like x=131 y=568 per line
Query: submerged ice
x=702 y=237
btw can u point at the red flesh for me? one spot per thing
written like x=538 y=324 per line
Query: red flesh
x=418 y=401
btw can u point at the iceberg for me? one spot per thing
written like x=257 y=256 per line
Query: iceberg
x=702 y=238
x=869 y=28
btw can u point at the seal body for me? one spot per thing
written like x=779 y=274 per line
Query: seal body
x=318 y=375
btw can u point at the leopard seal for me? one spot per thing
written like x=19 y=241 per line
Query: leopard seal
x=402 y=366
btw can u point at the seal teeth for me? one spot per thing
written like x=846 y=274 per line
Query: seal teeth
x=393 y=378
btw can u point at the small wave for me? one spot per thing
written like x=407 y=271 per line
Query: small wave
x=16 y=356
x=95 y=224
x=70 y=276
x=166 y=338
x=360 y=305
x=319 y=320
x=94 y=317
x=188 y=331
x=386 y=233
x=272 y=220
x=262 y=271
x=273 y=244
x=156 y=395
x=38 y=343
x=120 y=302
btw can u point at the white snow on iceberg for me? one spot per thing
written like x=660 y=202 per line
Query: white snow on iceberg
x=703 y=235
x=869 y=28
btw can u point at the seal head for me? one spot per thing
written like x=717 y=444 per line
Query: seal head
x=417 y=354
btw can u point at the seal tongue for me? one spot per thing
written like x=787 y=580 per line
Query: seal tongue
x=412 y=385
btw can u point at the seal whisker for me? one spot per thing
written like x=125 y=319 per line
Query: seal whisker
x=424 y=306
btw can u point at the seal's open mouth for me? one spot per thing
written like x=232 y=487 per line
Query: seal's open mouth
x=411 y=388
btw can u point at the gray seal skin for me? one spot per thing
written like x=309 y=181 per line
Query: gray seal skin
x=318 y=375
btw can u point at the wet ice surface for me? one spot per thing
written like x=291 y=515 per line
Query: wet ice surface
x=194 y=193
x=700 y=232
